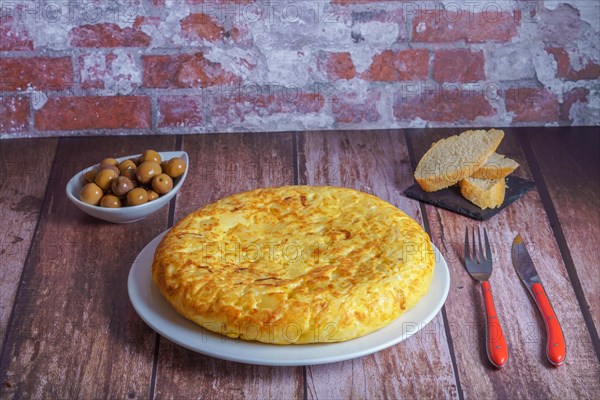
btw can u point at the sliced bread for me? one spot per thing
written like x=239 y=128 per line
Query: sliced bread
x=496 y=166
x=484 y=193
x=456 y=157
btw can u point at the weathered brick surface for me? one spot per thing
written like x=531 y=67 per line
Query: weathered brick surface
x=108 y=35
x=185 y=71
x=532 y=104
x=38 y=73
x=99 y=112
x=349 y=108
x=152 y=66
x=14 y=114
x=473 y=27
x=180 y=111
x=393 y=66
x=443 y=106
x=337 y=65
x=14 y=35
x=590 y=69
x=201 y=26
x=458 y=66
x=238 y=107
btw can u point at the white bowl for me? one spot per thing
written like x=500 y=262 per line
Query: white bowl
x=125 y=215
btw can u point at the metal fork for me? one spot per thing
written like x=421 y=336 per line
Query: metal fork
x=480 y=269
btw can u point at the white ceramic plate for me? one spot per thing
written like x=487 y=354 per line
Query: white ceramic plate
x=158 y=313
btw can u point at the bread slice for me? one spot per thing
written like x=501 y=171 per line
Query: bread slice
x=456 y=157
x=496 y=166
x=484 y=193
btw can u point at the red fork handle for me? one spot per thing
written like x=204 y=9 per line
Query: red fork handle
x=556 y=349
x=497 y=350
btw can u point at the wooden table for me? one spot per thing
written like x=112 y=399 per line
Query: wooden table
x=69 y=331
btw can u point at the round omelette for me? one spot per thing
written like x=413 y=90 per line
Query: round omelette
x=294 y=264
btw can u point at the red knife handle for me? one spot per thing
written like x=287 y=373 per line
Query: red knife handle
x=556 y=349
x=497 y=350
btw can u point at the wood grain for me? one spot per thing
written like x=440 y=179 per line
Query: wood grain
x=377 y=163
x=570 y=165
x=222 y=165
x=74 y=333
x=24 y=170
x=522 y=324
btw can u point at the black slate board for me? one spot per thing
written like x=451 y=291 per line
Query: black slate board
x=451 y=199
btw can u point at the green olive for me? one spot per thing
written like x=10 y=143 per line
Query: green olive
x=104 y=178
x=137 y=196
x=152 y=156
x=152 y=195
x=162 y=184
x=111 y=161
x=175 y=167
x=131 y=174
x=91 y=194
x=163 y=165
x=127 y=164
x=110 y=201
x=90 y=176
x=147 y=170
x=121 y=186
x=109 y=166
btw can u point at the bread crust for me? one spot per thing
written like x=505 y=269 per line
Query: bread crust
x=451 y=173
x=375 y=263
x=491 y=170
x=490 y=198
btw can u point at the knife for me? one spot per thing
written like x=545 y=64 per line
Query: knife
x=556 y=349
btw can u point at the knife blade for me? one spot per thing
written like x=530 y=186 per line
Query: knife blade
x=556 y=349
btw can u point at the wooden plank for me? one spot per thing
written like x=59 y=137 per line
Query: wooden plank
x=74 y=333
x=523 y=327
x=568 y=160
x=376 y=162
x=222 y=165
x=24 y=171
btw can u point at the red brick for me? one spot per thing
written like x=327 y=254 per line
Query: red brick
x=108 y=35
x=174 y=111
x=449 y=26
x=532 y=105
x=14 y=36
x=337 y=65
x=76 y=113
x=392 y=66
x=41 y=73
x=184 y=71
x=201 y=26
x=234 y=108
x=14 y=114
x=564 y=69
x=352 y=109
x=442 y=106
x=458 y=65
x=576 y=95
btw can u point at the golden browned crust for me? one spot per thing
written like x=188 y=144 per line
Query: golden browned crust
x=483 y=193
x=295 y=264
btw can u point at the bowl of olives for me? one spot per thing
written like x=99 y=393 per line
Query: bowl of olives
x=130 y=188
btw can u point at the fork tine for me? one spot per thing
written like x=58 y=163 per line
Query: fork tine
x=467 y=249
x=474 y=244
x=488 y=249
x=481 y=259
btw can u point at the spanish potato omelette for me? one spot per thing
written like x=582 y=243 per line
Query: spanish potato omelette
x=294 y=265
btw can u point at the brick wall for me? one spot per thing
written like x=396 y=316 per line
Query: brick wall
x=163 y=66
